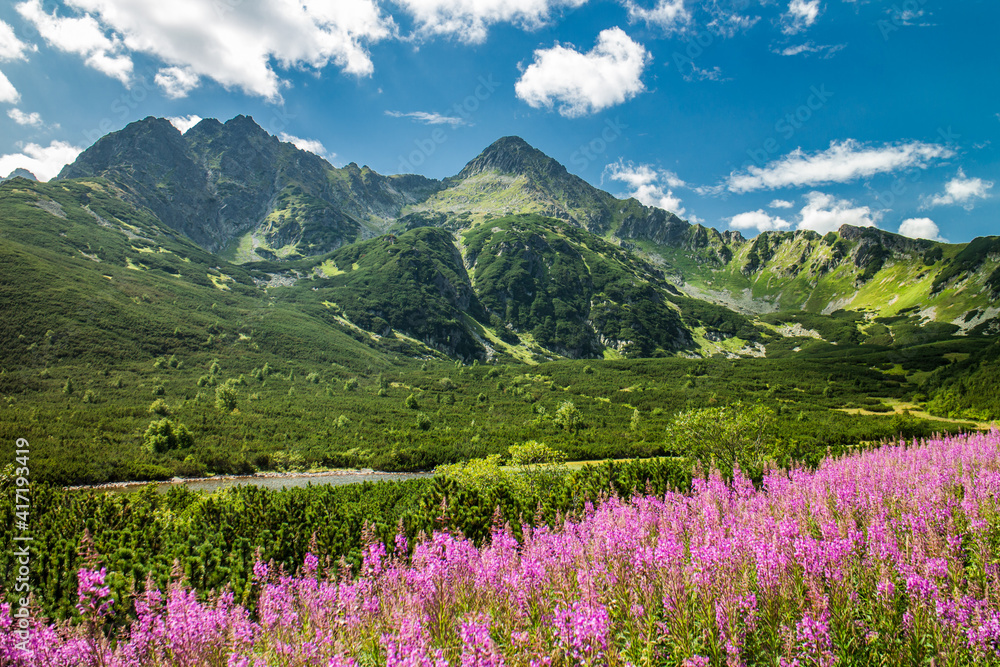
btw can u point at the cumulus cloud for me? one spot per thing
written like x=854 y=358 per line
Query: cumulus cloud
x=961 y=190
x=44 y=162
x=670 y=15
x=184 y=123
x=582 y=83
x=11 y=48
x=648 y=185
x=921 y=228
x=759 y=220
x=235 y=44
x=176 y=82
x=310 y=145
x=33 y=119
x=8 y=93
x=469 y=20
x=824 y=213
x=83 y=36
x=429 y=118
x=843 y=162
x=800 y=16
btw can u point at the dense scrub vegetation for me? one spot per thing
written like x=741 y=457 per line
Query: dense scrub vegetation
x=214 y=539
x=245 y=411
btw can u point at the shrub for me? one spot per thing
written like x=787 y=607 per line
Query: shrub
x=534 y=453
x=411 y=402
x=164 y=435
x=160 y=407
x=725 y=437
x=351 y=384
x=568 y=417
x=226 y=395
x=423 y=422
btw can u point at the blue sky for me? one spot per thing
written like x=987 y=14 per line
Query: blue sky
x=740 y=114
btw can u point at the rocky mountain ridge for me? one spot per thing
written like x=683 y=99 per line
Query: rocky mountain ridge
x=527 y=261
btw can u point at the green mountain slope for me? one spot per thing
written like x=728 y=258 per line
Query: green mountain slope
x=244 y=195
x=87 y=276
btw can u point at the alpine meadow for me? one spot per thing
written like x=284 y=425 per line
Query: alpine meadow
x=261 y=406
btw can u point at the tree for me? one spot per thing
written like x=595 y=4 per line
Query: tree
x=568 y=417
x=163 y=435
x=226 y=395
x=535 y=453
x=725 y=438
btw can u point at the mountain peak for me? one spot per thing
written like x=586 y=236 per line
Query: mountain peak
x=510 y=155
x=20 y=173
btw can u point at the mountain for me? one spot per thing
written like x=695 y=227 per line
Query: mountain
x=513 y=257
x=233 y=188
x=19 y=173
x=511 y=177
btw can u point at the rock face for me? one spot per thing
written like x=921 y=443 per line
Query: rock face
x=220 y=181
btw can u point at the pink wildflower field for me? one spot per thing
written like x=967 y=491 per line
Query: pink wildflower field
x=888 y=557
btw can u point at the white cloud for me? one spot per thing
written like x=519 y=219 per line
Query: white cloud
x=310 y=145
x=8 y=93
x=823 y=50
x=758 y=220
x=670 y=15
x=648 y=185
x=729 y=24
x=44 y=162
x=237 y=44
x=469 y=20
x=961 y=190
x=841 y=163
x=824 y=213
x=33 y=119
x=176 y=82
x=582 y=83
x=184 y=123
x=921 y=228
x=429 y=118
x=11 y=48
x=801 y=15
x=83 y=36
